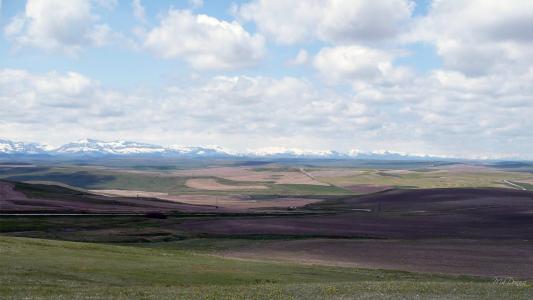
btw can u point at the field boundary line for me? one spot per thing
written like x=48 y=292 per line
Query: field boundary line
x=515 y=185
x=312 y=177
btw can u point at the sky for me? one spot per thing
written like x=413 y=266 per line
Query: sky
x=442 y=77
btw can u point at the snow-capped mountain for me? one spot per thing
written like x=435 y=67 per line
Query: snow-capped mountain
x=281 y=152
x=389 y=155
x=89 y=146
x=96 y=148
x=210 y=151
x=10 y=147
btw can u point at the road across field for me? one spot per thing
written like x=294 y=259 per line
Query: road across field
x=515 y=185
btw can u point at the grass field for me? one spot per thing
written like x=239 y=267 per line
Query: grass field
x=430 y=179
x=34 y=268
x=157 y=180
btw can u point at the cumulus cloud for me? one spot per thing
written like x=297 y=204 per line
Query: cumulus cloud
x=484 y=36
x=487 y=115
x=478 y=103
x=337 y=21
x=63 y=106
x=205 y=42
x=54 y=104
x=236 y=105
x=56 y=25
x=54 y=88
x=358 y=65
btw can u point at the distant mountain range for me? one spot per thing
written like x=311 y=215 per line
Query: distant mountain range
x=96 y=148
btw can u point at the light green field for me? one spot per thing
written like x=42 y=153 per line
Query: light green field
x=34 y=268
x=430 y=179
x=163 y=182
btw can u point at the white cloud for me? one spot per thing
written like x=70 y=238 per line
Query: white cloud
x=352 y=62
x=479 y=103
x=446 y=113
x=220 y=110
x=205 y=42
x=479 y=37
x=52 y=89
x=52 y=25
x=358 y=65
x=338 y=21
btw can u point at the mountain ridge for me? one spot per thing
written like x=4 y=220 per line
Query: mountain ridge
x=97 y=148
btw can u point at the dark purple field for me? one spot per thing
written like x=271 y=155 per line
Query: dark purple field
x=509 y=258
x=32 y=199
x=398 y=214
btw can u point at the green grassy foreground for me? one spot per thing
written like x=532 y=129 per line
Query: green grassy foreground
x=35 y=268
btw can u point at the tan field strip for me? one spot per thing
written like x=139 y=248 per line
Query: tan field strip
x=528 y=181
x=129 y=193
x=246 y=174
x=237 y=202
x=234 y=202
x=211 y=184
